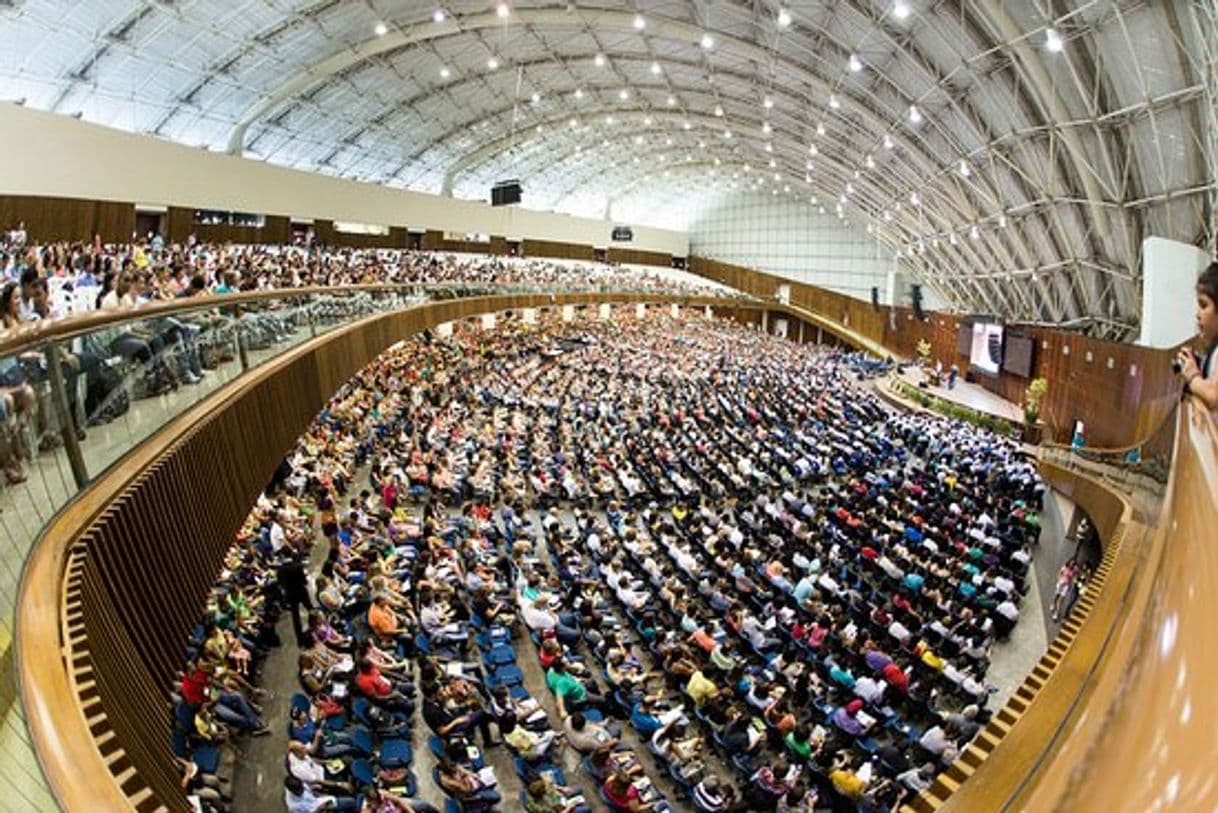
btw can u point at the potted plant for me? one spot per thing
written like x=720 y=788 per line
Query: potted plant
x=1032 y=398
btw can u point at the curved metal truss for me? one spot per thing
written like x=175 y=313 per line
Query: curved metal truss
x=1013 y=155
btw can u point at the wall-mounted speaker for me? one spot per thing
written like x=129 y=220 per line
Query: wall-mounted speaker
x=915 y=297
x=875 y=297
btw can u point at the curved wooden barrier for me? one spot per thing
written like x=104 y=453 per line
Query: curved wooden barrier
x=117 y=581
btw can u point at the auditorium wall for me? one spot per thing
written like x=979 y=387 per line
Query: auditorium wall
x=52 y=156
x=791 y=239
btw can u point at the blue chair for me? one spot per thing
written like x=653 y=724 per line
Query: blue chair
x=363 y=773
x=207 y=758
x=396 y=753
x=300 y=702
x=509 y=675
x=499 y=655
x=361 y=739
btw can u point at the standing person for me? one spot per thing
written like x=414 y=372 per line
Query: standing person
x=1065 y=580
x=1201 y=376
x=295 y=586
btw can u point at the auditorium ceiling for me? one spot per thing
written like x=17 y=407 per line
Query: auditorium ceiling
x=1013 y=154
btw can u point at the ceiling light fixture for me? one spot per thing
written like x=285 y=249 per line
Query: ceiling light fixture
x=685 y=125
x=767 y=103
x=820 y=129
x=915 y=115
x=1053 y=41
x=579 y=93
x=833 y=102
x=727 y=133
x=672 y=101
x=639 y=22
x=492 y=63
x=812 y=150
x=914 y=199
x=900 y=9
x=610 y=120
x=445 y=73
x=766 y=128
x=708 y=41
x=536 y=98
x=655 y=68
x=503 y=10
x=974 y=233
x=870 y=162
x=888 y=142
x=855 y=64
x=599 y=60
x=647 y=121
x=784 y=18
x=438 y=15
x=719 y=111
x=381 y=29
x=965 y=171
x=623 y=94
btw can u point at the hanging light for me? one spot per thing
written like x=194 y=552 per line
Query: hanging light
x=900 y=9
x=492 y=63
x=855 y=64
x=820 y=129
x=708 y=42
x=655 y=68
x=833 y=102
x=965 y=171
x=599 y=60
x=639 y=22
x=784 y=18
x=503 y=10
x=915 y=115
x=1053 y=41
x=381 y=29
x=445 y=73
x=974 y=233
x=888 y=142
x=438 y=15
x=672 y=101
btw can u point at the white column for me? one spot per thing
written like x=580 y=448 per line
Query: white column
x=1169 y=299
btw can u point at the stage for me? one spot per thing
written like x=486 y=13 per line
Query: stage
x=965 y=394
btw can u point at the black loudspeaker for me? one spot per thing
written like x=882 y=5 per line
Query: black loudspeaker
x=505 y=193
x=875 y=298
x=915 y=296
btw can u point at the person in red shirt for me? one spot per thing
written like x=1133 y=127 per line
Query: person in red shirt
x=379 y=689
x=195 y=683
x=895 y=677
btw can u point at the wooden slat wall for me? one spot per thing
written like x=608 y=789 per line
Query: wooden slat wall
x=68 y=219
x=1119 y=407
x=179 y=225
x=558 y=251
x=636 y=256
x=327 y=235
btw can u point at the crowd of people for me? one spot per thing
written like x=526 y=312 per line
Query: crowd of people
x=749 y=584
x=105 y=370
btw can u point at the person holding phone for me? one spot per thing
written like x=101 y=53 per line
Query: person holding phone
x=1198 y=373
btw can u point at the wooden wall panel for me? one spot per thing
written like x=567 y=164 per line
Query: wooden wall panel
x=558 y=251
x=635 y=256
x=68 y=219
